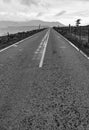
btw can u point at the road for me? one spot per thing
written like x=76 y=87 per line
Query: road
x=44 y=85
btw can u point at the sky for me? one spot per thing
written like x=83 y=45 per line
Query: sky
x=64 y=11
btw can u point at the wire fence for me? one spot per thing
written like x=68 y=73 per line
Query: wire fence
x=81 y=33
x=79 y=36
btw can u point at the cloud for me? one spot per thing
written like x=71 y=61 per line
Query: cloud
x=40 y=14
x=84 y=0
x=84 y=13
x=61 y=13
x=6 y=1
x=30 y=2
x=48 y=10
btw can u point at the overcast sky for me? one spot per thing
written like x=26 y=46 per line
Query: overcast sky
x=65 y=11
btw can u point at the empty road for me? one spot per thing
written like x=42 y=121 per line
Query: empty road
x=44 y=85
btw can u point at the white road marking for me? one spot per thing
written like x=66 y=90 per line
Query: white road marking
x=75 y=47
x=44 y=50
x=40 y=52
x=84 y=54
x=15 y=44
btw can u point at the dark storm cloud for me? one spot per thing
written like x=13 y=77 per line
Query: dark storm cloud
x=61 y=13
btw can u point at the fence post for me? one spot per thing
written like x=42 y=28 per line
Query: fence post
x=88 y=35
x=69 y=28
x=75 y=31
x=80 y=33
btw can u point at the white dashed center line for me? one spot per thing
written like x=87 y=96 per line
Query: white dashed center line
x=40 y=52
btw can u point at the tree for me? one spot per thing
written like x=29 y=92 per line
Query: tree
x=79 y=32
x=78 y=22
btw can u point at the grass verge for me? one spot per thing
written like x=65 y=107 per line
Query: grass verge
x=10 y=39
x=82 y=45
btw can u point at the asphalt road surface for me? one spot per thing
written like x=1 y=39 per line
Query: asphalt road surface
x=44 y=85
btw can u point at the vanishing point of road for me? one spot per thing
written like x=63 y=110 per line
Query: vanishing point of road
x=44 y=85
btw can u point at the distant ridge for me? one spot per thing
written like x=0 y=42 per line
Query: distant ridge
x=6 y=24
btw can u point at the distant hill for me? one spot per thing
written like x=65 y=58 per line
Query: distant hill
x=5 y=24
x=15 y=27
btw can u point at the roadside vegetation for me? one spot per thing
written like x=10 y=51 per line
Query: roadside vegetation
x=78 y=35
x=10 y=39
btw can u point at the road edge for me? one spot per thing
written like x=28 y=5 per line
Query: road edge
x=74 y=46
x=14 y=44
